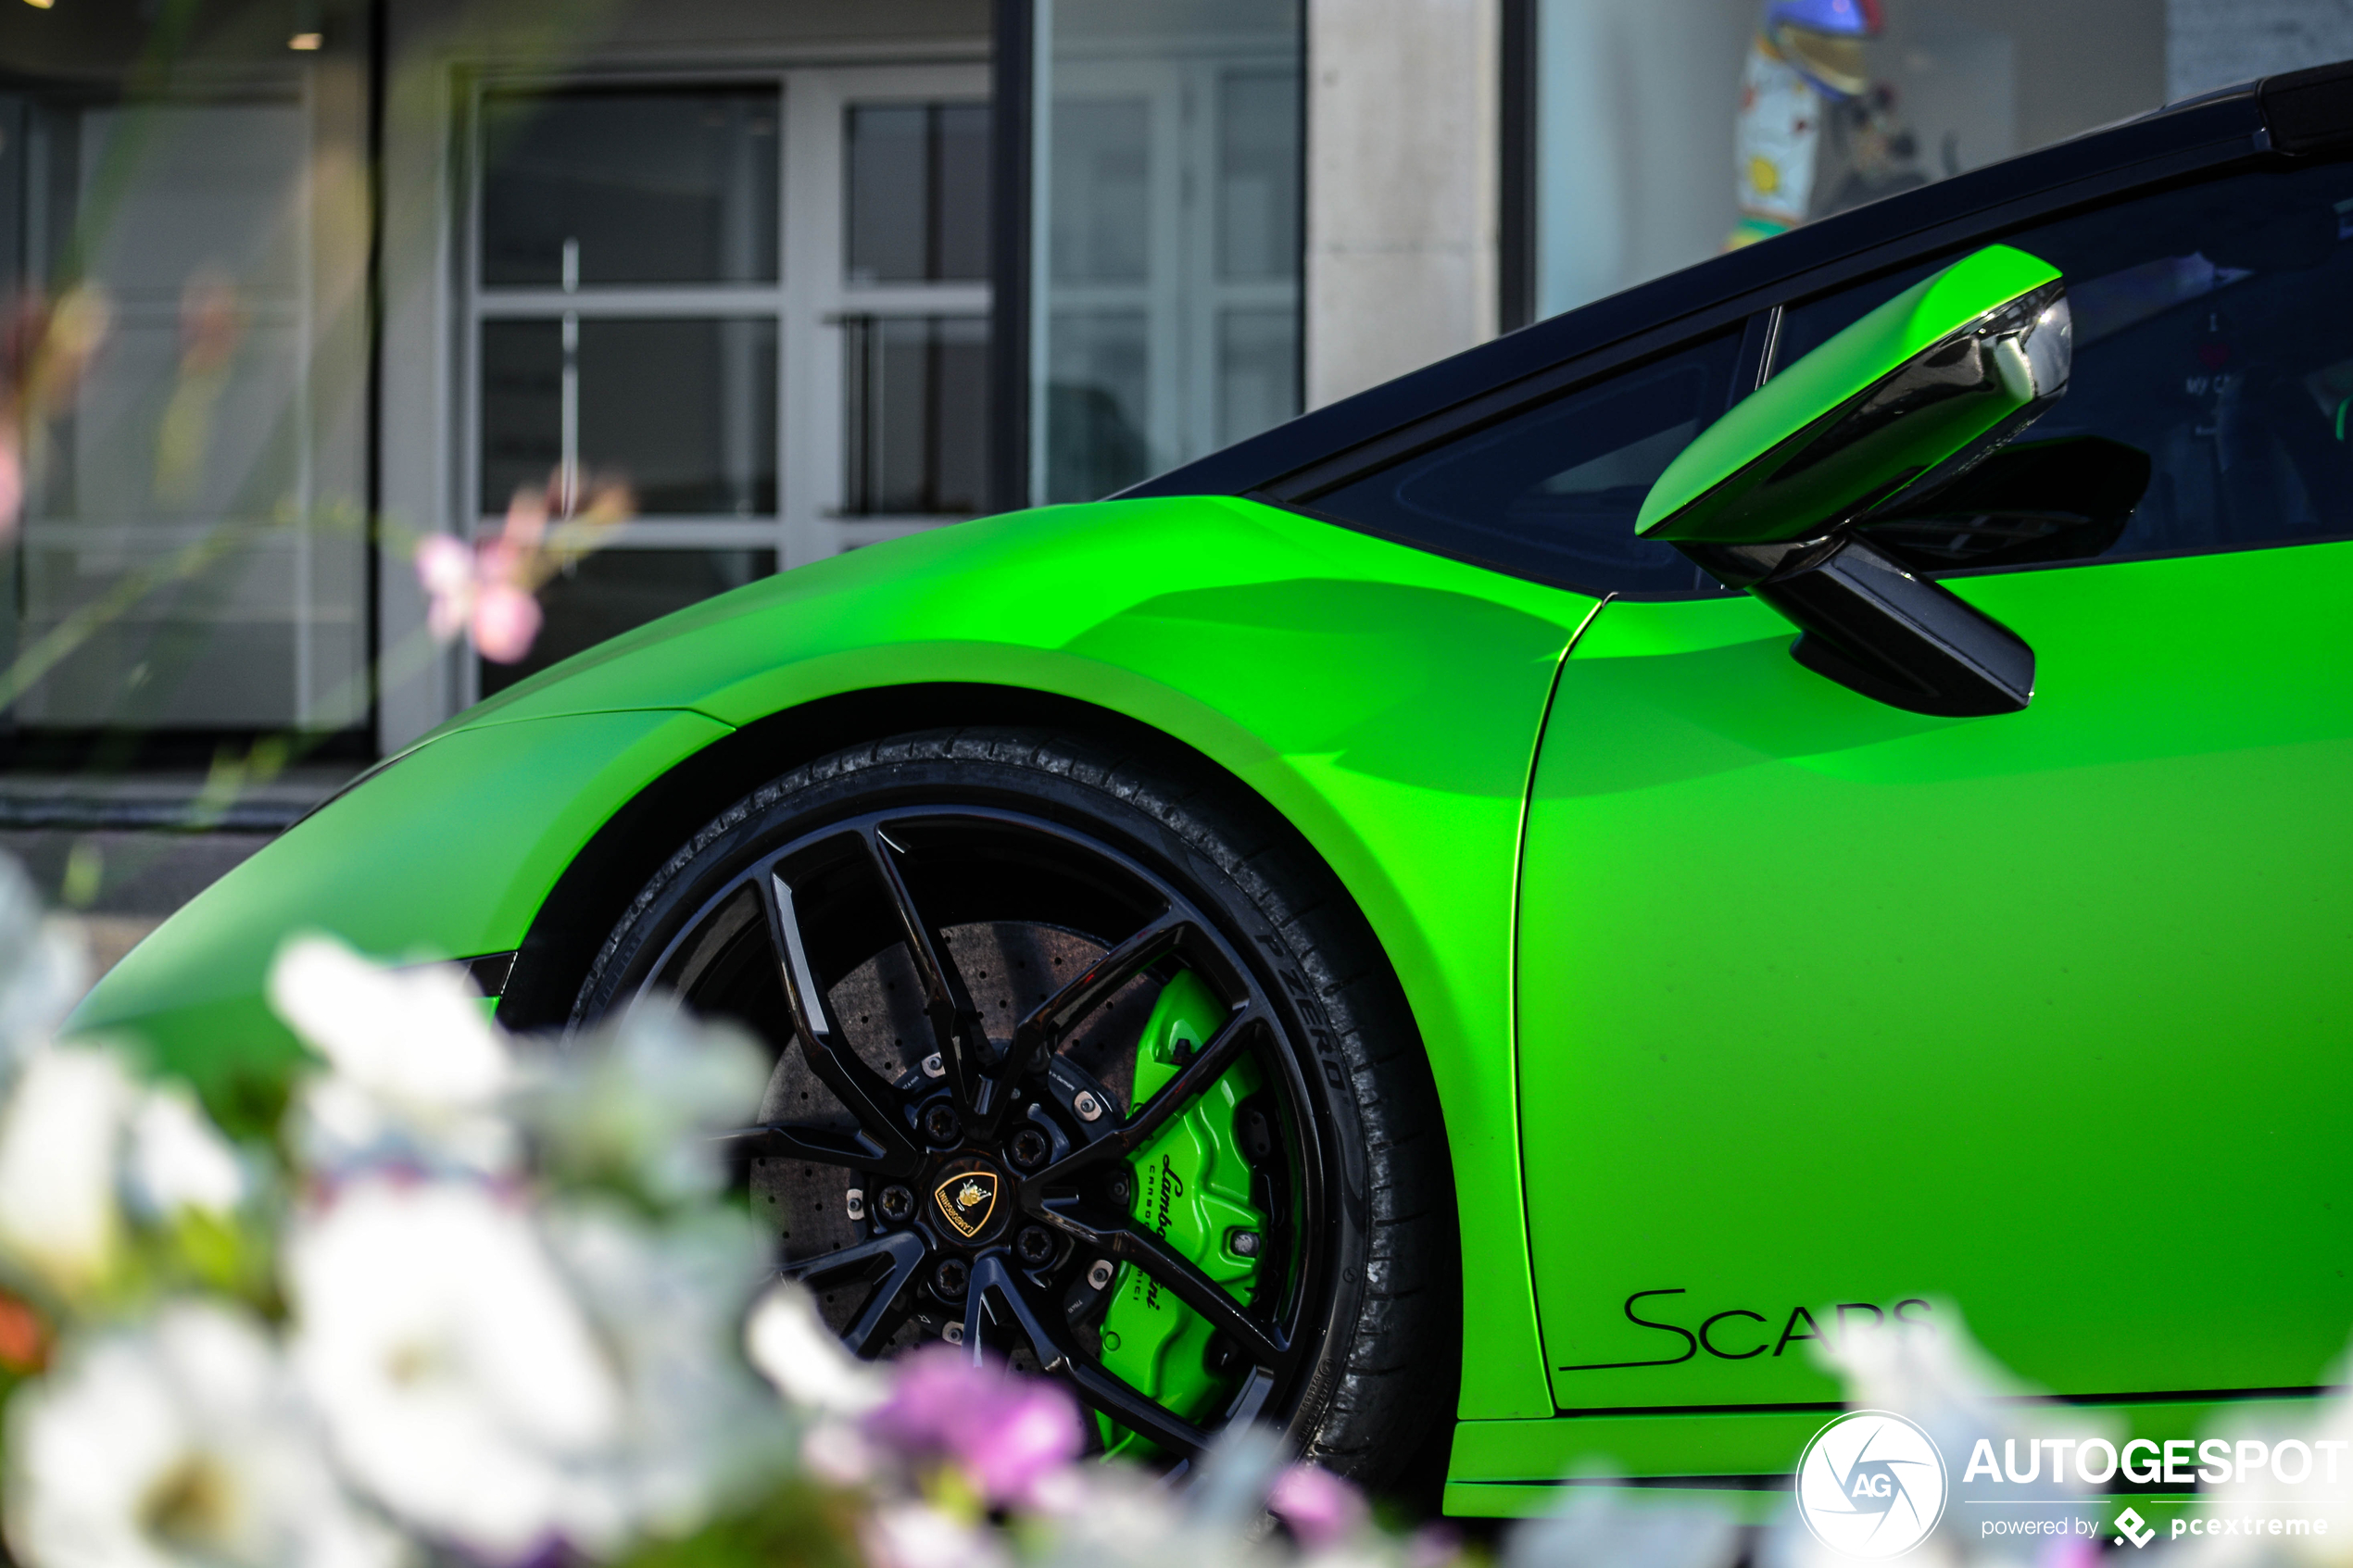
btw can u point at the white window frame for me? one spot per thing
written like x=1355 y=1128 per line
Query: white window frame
x=808 y=303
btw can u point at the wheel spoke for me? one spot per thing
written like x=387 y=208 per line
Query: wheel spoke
x=1038 y=1034
x=974 y=1073
x=1057 y=1356
x=879 y=1315
x=1263 y=1344
x=782 y=1140
x=871 y=1101
x=1192 y=1080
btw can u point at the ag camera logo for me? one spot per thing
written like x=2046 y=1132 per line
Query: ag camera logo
x=1871 y=1484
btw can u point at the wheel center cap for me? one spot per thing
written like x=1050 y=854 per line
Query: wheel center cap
x=967 y=1198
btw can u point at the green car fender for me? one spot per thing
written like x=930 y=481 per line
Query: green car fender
x=1385 y=700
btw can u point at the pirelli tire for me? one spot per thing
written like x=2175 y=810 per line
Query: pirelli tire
x=1020 y=852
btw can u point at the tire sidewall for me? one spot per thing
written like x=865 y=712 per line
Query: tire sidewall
x=1133 y=813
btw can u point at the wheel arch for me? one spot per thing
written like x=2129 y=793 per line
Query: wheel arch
x=591 y=894
x=581 y=907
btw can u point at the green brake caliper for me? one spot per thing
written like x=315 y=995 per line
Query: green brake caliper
x=1192 y=1189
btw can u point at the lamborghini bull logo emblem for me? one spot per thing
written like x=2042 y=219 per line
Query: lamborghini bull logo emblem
x=967 y=1198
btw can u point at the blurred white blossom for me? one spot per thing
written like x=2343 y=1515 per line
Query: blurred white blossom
x=2259 y=1489
x=44 y=966
x=793 y=1349
x=418 y=1071
x=635 y=1105
x=59 y=1139
x=698 y=1432
x=459 y=1382
x=1121 y=1515
x=915 y=1535
x=179 y=1444
x=1603 y=1528
x=177 y=1159
x=524 y=1323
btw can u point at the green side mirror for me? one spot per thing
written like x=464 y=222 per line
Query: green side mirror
x=1892 y=410
x=1896 y=401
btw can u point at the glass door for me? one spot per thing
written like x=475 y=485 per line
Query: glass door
x=721 y=327
x=184 y=279
x=1166 y=243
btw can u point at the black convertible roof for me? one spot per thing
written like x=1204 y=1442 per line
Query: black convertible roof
x=2293 y=115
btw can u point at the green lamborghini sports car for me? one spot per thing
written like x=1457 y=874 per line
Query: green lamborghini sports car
x=1812 y=791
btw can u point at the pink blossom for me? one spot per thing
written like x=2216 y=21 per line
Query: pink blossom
x=446 y=570
x=1317 y=1506
x=506 y=619
x=484 y=593
x=2074 y=1551
x=1006 y=1433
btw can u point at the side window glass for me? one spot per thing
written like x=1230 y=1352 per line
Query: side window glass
x=2208 y=405
x=1552 y=492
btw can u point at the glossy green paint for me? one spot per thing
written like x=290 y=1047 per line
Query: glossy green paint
x=1192 y=1189
x=1760 y=473
x=447 y=854
x=1826 y=1003
x=1385 y=700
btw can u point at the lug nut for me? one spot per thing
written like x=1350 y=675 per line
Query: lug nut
x=1089 y=1109
x=1099 y=1274
x=898 y=1203
x=1034 y=1246
x=1029 y=1148
x=942 y=1125
x=951 y=1278
x=934 y=1067
x=1243 y=1243
x=952 y=1332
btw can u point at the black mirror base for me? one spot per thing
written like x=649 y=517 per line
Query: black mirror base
x=1873 y=625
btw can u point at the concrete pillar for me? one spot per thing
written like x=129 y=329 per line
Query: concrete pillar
x=1402 y=186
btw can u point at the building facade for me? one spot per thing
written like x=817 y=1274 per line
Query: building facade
x=681 y=294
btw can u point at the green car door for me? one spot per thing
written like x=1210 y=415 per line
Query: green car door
x=1832 y=1012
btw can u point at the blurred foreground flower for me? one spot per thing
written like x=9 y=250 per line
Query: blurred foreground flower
x=490 y=1301
x=456 y=1375
x=795 y=1350
x=178 y=1160
x=61 y=1138
x=488 y=592
x=635 y=1118
x=417 y=1076
x=1004 y=1433
x=182 y=1442
x=1318 y=1507
x=43 y=967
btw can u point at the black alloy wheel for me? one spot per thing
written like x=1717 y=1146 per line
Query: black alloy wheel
x=969 y=951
